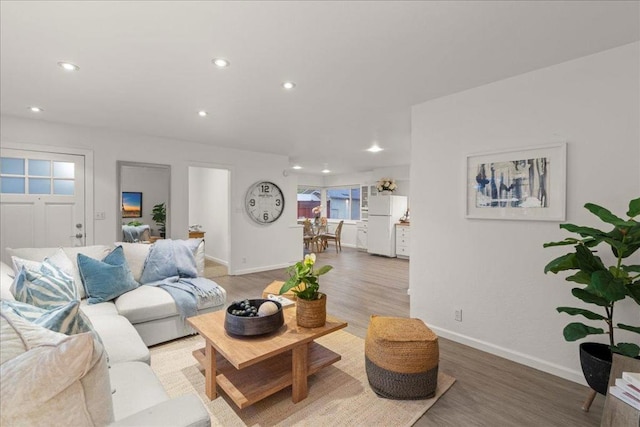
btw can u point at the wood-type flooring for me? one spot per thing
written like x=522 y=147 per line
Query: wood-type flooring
x=490 y=390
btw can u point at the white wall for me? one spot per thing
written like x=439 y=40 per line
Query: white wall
x=252 y=247
x=209 y=207
x=493 y=270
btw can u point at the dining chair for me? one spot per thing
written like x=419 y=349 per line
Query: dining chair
x=308 y=235
x=334 y=236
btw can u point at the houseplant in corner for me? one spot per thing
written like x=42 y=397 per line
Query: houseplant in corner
x=602 y=286
x=311 y=304
x=159 y=216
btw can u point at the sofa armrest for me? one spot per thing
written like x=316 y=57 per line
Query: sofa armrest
x=187 y=411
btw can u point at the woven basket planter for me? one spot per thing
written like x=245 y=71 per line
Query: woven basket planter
x=401 y=358
x=311 y=313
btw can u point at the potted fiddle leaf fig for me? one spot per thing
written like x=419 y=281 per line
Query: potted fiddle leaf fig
x=602 y=286
x=159 y=216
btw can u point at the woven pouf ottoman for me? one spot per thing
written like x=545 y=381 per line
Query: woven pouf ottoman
x=401 y=358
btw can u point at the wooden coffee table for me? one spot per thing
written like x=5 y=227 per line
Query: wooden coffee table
x=249 y=369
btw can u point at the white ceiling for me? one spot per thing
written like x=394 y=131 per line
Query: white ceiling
x=359 y=66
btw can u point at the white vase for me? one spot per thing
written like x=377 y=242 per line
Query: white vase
x=385 y=192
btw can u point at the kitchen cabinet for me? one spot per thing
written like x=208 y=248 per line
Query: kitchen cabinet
x=403 y=240
x=361 y=236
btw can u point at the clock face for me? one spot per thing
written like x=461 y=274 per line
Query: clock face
x=264 y=202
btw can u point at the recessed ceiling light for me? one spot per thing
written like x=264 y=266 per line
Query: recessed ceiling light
x=220 y=62
x=288 y=85
x=296 y=167
x=35 y=109
x=202 y=113
x=68 y=66
x=374 y=149
x=325 y=170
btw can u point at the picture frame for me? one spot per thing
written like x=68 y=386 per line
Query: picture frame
x=131 y=204
x=517 y=184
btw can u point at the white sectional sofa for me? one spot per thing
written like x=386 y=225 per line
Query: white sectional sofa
x=139 y=318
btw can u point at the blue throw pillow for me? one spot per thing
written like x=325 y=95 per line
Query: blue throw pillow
x=170 y=258
x=49 y=287
x=107 y=279
x=66 y=319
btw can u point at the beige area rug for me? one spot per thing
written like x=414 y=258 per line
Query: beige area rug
x=213 y=269
x=339 y=395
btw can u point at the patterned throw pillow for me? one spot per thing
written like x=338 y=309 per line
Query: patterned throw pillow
x=48 y=287
x=107 y=279
x=67 y=319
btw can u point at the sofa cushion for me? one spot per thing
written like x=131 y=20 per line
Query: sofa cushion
x=136 y=388
x=136 y=255
x=66 y=319
x=47 y=287
x=44 y=373
x=103 y=308
x=107 y=279
x=120 y=339
x=148 y=303
x=71 y=266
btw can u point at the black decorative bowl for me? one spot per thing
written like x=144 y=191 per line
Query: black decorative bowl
x=250 y=326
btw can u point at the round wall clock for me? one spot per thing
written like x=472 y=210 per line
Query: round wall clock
x=264 y=202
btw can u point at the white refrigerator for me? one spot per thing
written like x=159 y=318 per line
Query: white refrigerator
x=384 y=213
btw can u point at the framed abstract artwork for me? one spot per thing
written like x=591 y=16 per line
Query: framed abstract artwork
x=131 y=204
x=517 y=184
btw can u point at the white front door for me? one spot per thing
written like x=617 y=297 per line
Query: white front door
x=41 y=199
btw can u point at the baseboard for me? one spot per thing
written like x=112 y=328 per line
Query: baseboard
x=241 y=271
x=219 y=261
x=524 y=359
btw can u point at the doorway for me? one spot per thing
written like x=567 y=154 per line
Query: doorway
x=209 y=207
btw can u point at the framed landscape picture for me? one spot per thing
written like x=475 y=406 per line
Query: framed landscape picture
x=131 y=204
x=519 y=184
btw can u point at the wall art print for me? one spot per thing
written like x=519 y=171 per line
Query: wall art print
x=520 y=184
x=131 y=204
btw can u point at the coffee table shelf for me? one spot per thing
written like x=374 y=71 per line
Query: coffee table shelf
x=247 y=386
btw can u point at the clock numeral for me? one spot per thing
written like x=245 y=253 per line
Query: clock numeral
x=278 y=202
x=252 y=202
x=265 y=216
x=264 y=188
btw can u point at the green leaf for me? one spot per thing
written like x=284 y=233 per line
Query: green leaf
x=631 y=240
x=635 y=329
x=576 y=331
x=565 y=242
x=633 y=290
x=583 y=231
x=589 y=298
x=608 y=286
x=579 y=311
x=291 y=283
x=606 y=215
x=626 y=349
x=587 y=261
x=580 y=277
x=562 y=263
x=634 y=208
x=324 y=269
x=631 y=268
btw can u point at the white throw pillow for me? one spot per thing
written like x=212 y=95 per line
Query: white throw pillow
x=65 y=380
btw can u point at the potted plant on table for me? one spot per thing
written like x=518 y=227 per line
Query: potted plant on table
x=159 y=216
x=311 y=304
x=602 y=286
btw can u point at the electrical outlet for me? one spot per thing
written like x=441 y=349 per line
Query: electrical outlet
x=100 y=215
x=244 y=260
x=458 y=315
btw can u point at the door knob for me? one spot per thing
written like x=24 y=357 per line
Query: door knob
x=79 y=236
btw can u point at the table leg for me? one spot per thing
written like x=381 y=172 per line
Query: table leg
x=210 y=371
x=300 y=363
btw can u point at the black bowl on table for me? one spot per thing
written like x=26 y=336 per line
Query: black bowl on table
x=250 y=326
